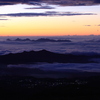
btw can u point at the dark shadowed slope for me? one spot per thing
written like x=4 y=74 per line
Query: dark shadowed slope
x=44 y=56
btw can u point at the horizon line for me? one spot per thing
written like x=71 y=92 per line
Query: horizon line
x=44 y=35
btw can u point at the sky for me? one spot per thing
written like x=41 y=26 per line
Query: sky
x=49 y=18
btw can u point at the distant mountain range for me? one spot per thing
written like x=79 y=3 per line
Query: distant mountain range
x=32 y=57
x=40 y=40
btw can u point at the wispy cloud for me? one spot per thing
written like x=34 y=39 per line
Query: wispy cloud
x=87 y=25
x=56 y=2
x=48 y=13
x=67 y=2
x=92 y=25
x=3 y=19
x=97 y=1
x=5 y=3
x=41 y=7
x=99 y=25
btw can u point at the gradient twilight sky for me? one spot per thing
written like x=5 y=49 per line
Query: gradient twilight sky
x=49 y=20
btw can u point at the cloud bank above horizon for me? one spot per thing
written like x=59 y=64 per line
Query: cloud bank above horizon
x=48 y=13
x=58 y=2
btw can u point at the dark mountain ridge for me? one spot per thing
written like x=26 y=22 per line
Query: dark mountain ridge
x=40 y=40
x=32 y=57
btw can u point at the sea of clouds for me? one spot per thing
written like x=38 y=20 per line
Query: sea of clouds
x=79 y=44
x=87 y=45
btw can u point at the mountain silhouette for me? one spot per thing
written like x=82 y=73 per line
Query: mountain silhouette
x=44 y=56
x=40 y=40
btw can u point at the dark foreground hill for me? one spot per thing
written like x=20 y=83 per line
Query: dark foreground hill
x=30 y=88
x=32 y=57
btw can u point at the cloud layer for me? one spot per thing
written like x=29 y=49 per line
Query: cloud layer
x=48 y=13
x=3 y=19
x=41 y=7
x=92 y=25
x=58 y=2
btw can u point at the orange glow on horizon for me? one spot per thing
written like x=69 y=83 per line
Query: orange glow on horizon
x=50 y=26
